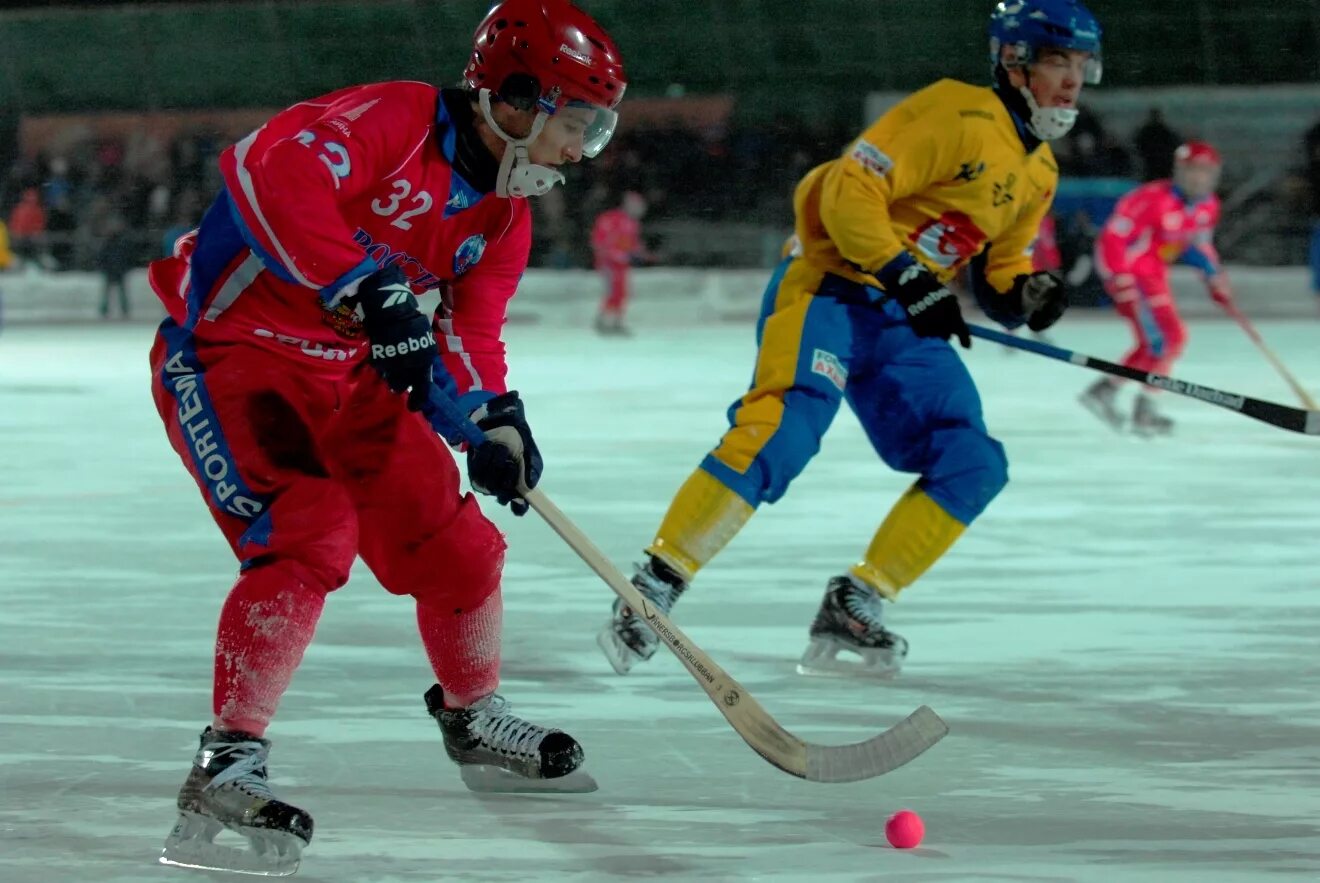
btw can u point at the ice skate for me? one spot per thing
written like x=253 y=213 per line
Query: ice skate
x=499 y=752
x=851 y=620
x=226 y=790
x=626 y=639
x=1147 y=422
x=611 y=325
x=1099 y=400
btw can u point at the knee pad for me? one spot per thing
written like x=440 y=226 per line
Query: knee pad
x=454 y=566
x=968 y=470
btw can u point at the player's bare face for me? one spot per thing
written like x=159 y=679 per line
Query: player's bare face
x=1057 y=76
x=1196 y=180
x=562 y=139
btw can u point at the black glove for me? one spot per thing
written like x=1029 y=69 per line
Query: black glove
x=402 y=343
x=932 y=309
x=507 y=465
x=1040 y=298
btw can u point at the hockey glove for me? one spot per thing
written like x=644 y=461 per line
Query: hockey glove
x=403 y=346
x=507 y=465
x=932 y=309
x=1040 y=298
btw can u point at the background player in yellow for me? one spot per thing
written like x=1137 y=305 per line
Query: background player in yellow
x=858 y=310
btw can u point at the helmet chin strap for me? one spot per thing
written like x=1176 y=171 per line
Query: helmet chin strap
x=1048 y=123
x=519 y=177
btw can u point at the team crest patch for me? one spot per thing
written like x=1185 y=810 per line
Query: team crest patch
x=469 y=253
x=827 y=365
x=871 y=158
x=342 y=318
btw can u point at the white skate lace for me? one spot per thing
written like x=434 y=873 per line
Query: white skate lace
x=864 y=605
x=654 y=589
x=507 y=733
x=244 y=773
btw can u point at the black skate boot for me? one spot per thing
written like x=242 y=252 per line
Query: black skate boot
x=497 y=751
x=851 y=619
x=227 y=789
x=1146 y=421
x=626 y=639
x=1099 y=400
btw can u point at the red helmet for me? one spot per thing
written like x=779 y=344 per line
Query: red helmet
x=1197 y=152
x=570 y=57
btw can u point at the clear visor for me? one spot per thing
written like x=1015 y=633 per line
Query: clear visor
x=1093 y=66
x=1094 y=69
x=589 y=126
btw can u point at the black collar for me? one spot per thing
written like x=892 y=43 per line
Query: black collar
x=456 y=127
x=1020 y=113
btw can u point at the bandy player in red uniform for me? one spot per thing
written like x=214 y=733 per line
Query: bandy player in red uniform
x=616 y=241
x=295 y=358
x=1158 y=224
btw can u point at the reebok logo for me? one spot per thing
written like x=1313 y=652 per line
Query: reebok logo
x=411 y=345
x=400 y=295
x=928 y=301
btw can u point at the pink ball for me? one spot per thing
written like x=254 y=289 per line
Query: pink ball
x=904 y=829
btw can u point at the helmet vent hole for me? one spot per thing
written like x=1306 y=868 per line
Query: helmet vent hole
x=595 y=81
x=523 y=44
x=501 y=24
x=598 y=44
x=520 y=24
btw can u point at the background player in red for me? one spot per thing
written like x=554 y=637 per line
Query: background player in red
x=616 y=240
x=294 y=359
x=1158 y=224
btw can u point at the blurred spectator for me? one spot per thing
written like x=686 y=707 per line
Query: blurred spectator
x=1155 y=143
x=1091 y=151
x=27 y=225
x=117 y=258
x=61 y=219
x=6 y=262
x=1313 y=183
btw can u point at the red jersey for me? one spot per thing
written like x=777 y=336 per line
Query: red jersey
x=327 y=192
x=1045 y=250
x=1155 y=226
x=616 y=238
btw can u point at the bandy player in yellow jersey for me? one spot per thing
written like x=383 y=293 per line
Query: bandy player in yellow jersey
x=859 y=311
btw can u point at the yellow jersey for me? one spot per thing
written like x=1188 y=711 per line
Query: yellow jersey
x=943 y=175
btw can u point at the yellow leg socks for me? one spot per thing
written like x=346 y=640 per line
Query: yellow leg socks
x=701 y=520
x=913 y=537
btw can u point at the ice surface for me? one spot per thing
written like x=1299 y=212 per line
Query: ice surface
x=1125 y=646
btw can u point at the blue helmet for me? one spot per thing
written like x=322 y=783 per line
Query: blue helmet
x=1028 y=26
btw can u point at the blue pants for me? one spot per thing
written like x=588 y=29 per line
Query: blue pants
x=820 y=343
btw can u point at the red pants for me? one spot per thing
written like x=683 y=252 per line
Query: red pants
x=303 y=473
x=616 y=280
x=1159 y=332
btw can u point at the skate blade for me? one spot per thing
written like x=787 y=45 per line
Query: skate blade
x=620 y=657
x=268 y=853
x=821 y=659
x=486 y=779
x=1150 y=432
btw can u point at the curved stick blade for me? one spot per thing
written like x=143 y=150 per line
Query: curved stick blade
x=904 y=742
